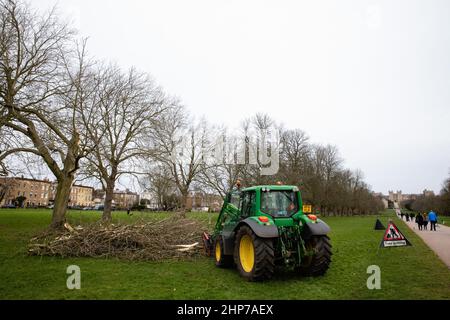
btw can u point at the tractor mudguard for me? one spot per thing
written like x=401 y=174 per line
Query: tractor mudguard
x=315 y=229
x=228 y=242
x=261 y=230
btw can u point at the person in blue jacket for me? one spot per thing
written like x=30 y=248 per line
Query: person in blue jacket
x=432 y=218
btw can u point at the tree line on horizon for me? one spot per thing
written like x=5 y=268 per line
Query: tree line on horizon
x=438 y=203
x=90 y=119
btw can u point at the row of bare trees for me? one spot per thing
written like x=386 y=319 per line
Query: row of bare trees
x=439 y=203
x=318 y=171
x=259 y=152
x=87 y=118
x=78 y=115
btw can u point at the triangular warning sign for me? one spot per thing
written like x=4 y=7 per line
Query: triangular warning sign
x=379 y=225
x=393 y=237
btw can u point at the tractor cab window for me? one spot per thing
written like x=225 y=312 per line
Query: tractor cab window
x=279 y=203
x=248 y=204
x=234 y=198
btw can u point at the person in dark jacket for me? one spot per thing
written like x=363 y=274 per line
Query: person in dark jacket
x=425 y=221
x=412 y=216
x=419 y=221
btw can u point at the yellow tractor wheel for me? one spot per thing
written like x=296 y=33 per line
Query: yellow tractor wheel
x=254 y=256
x=221 y=260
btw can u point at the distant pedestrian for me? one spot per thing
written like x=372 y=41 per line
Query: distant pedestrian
x=419 y=221
x=412 y=216
x=432 y=217
x=407 y=217
x=401 y=214
x=425 y=221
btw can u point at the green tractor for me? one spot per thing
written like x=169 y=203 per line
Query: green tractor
x=264 y=226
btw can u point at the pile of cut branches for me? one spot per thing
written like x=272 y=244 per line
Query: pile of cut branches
x=151 y=241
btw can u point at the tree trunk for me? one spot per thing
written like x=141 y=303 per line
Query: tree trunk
x=61 y=200
x=109 y=194
x=184 y=204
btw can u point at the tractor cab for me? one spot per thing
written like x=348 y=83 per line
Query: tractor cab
x=282 y=205
x=272 y=201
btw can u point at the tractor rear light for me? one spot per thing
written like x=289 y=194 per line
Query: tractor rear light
x=263 y=219
x=313 y=217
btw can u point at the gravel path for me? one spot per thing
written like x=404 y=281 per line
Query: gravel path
x=438 y=241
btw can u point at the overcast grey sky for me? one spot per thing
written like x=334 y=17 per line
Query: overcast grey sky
x=372 y=77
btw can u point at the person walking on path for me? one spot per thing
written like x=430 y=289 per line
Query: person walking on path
x=432 y=217
x=425 y=221
x=439 y=241
x=419 y=221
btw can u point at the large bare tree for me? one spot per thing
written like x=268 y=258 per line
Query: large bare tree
x=158 y=182
x=43 y=91
x=180 y=144
x=294 y=157
x=221 y=169
x=129 y=106
x=259 y=145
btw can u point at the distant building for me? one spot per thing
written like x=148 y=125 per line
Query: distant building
x=201 y=201
x=399 y=197
x=395 y=197
x=81 y=196
x=428 y=193
x=37 y=193
x=125 y=199
x=150 y=200
x=40 y=193
x=121 y=199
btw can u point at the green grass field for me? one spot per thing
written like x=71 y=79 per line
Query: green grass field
x=406 y=273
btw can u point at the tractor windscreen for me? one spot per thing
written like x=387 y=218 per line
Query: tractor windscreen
x=279 y=203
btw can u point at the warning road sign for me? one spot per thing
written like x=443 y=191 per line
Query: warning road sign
x=307 y=208
x=393 y=237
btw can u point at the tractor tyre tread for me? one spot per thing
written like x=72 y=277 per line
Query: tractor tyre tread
x=264 y=267
x=226 y=261
x=322 y=258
